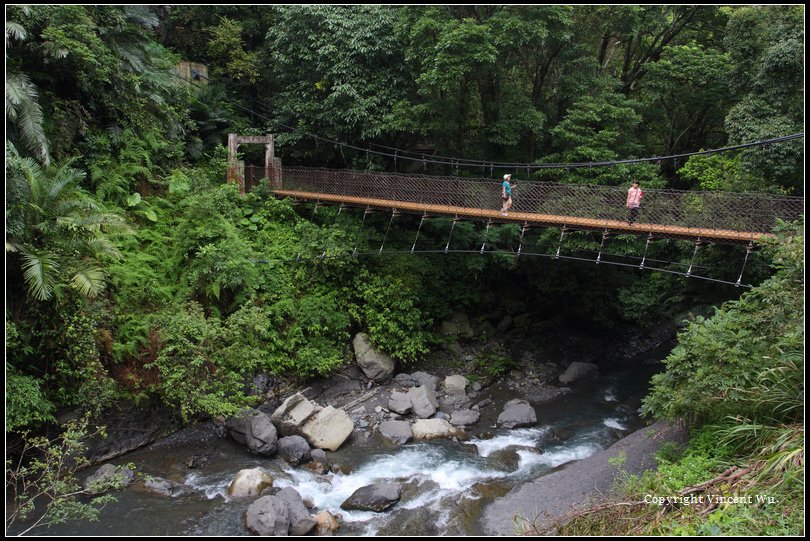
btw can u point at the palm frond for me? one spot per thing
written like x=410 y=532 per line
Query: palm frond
x=40 y=272
x=89 y=281
x=16 y=31
x=102 y=246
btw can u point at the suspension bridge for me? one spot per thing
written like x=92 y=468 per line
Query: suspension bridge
x=700 y=217
x=719 y=217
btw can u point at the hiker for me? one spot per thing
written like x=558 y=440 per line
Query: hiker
x=634 y=196
x=506 y=193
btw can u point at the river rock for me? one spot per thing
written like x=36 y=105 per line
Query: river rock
x=429 y=429
x=255 y=430
x=405 y=380
x=577 y=371
x=161 y=486
x=455 y=385
x=426 y=380
x=293 y=449
x=262 y=383
x=377 y=497
x=249 y=482
x=458 y=326
x=301 y=522
x=319 y=455
x=376 y=365
x=464 y=417
x=325 y=523
x=517 y=413
x=423 y=401
x=268 y=516
x=397 y=432
x=328 y=429
x=400 y=402
x=108 y=477
x=290 y=416
x=505 y=324
x=547 y=394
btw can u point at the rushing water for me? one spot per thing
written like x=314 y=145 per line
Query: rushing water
x=445 y=483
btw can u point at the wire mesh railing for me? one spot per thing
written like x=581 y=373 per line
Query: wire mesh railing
x=689 y=209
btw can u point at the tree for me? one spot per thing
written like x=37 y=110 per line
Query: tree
x=56 y=232
x=23 y=113
x=337 y=72
x=41 y=480
x=766 y=45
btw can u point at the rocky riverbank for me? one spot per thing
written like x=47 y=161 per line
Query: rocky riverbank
x=533 y=506
x=470 y=395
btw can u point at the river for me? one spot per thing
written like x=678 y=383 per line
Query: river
x=446 y=483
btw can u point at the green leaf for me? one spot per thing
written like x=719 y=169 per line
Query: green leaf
x=133 y=199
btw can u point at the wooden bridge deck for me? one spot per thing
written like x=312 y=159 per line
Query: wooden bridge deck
x=526 y=218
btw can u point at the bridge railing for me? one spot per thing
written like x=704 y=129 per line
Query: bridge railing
x=701 y=210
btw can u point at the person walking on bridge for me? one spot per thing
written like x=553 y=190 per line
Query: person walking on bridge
x=506 y=193
x=634 y=196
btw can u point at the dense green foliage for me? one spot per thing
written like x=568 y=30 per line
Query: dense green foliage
x=710 y=373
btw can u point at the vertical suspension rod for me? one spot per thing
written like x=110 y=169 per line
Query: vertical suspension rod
x=692 y=261
x=394 y=213
x=601 y=245
x=522 y=232
x=646 y=246
x=360 y=230
x=748 y=251
x=417 y=232
x=450 y=236
x=559 y=244
x=486 y=234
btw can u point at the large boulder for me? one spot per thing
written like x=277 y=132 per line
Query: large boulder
x=108 y=477
x=161 y=486
x=426 y=380
x=400 y=403
x=464 y=417
x=429 y=429
x=577 y=371
x=294 y=449
x=268 y=515
x=458 y=326
x=290 y=416
x=397 y=432
x=455 y=385
x=301 y=522
x=328 y=429
x=516 y=414
x=249 y=482
x=377 y=497
x=423 y=401
x=377 y=366
x=255 y=430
